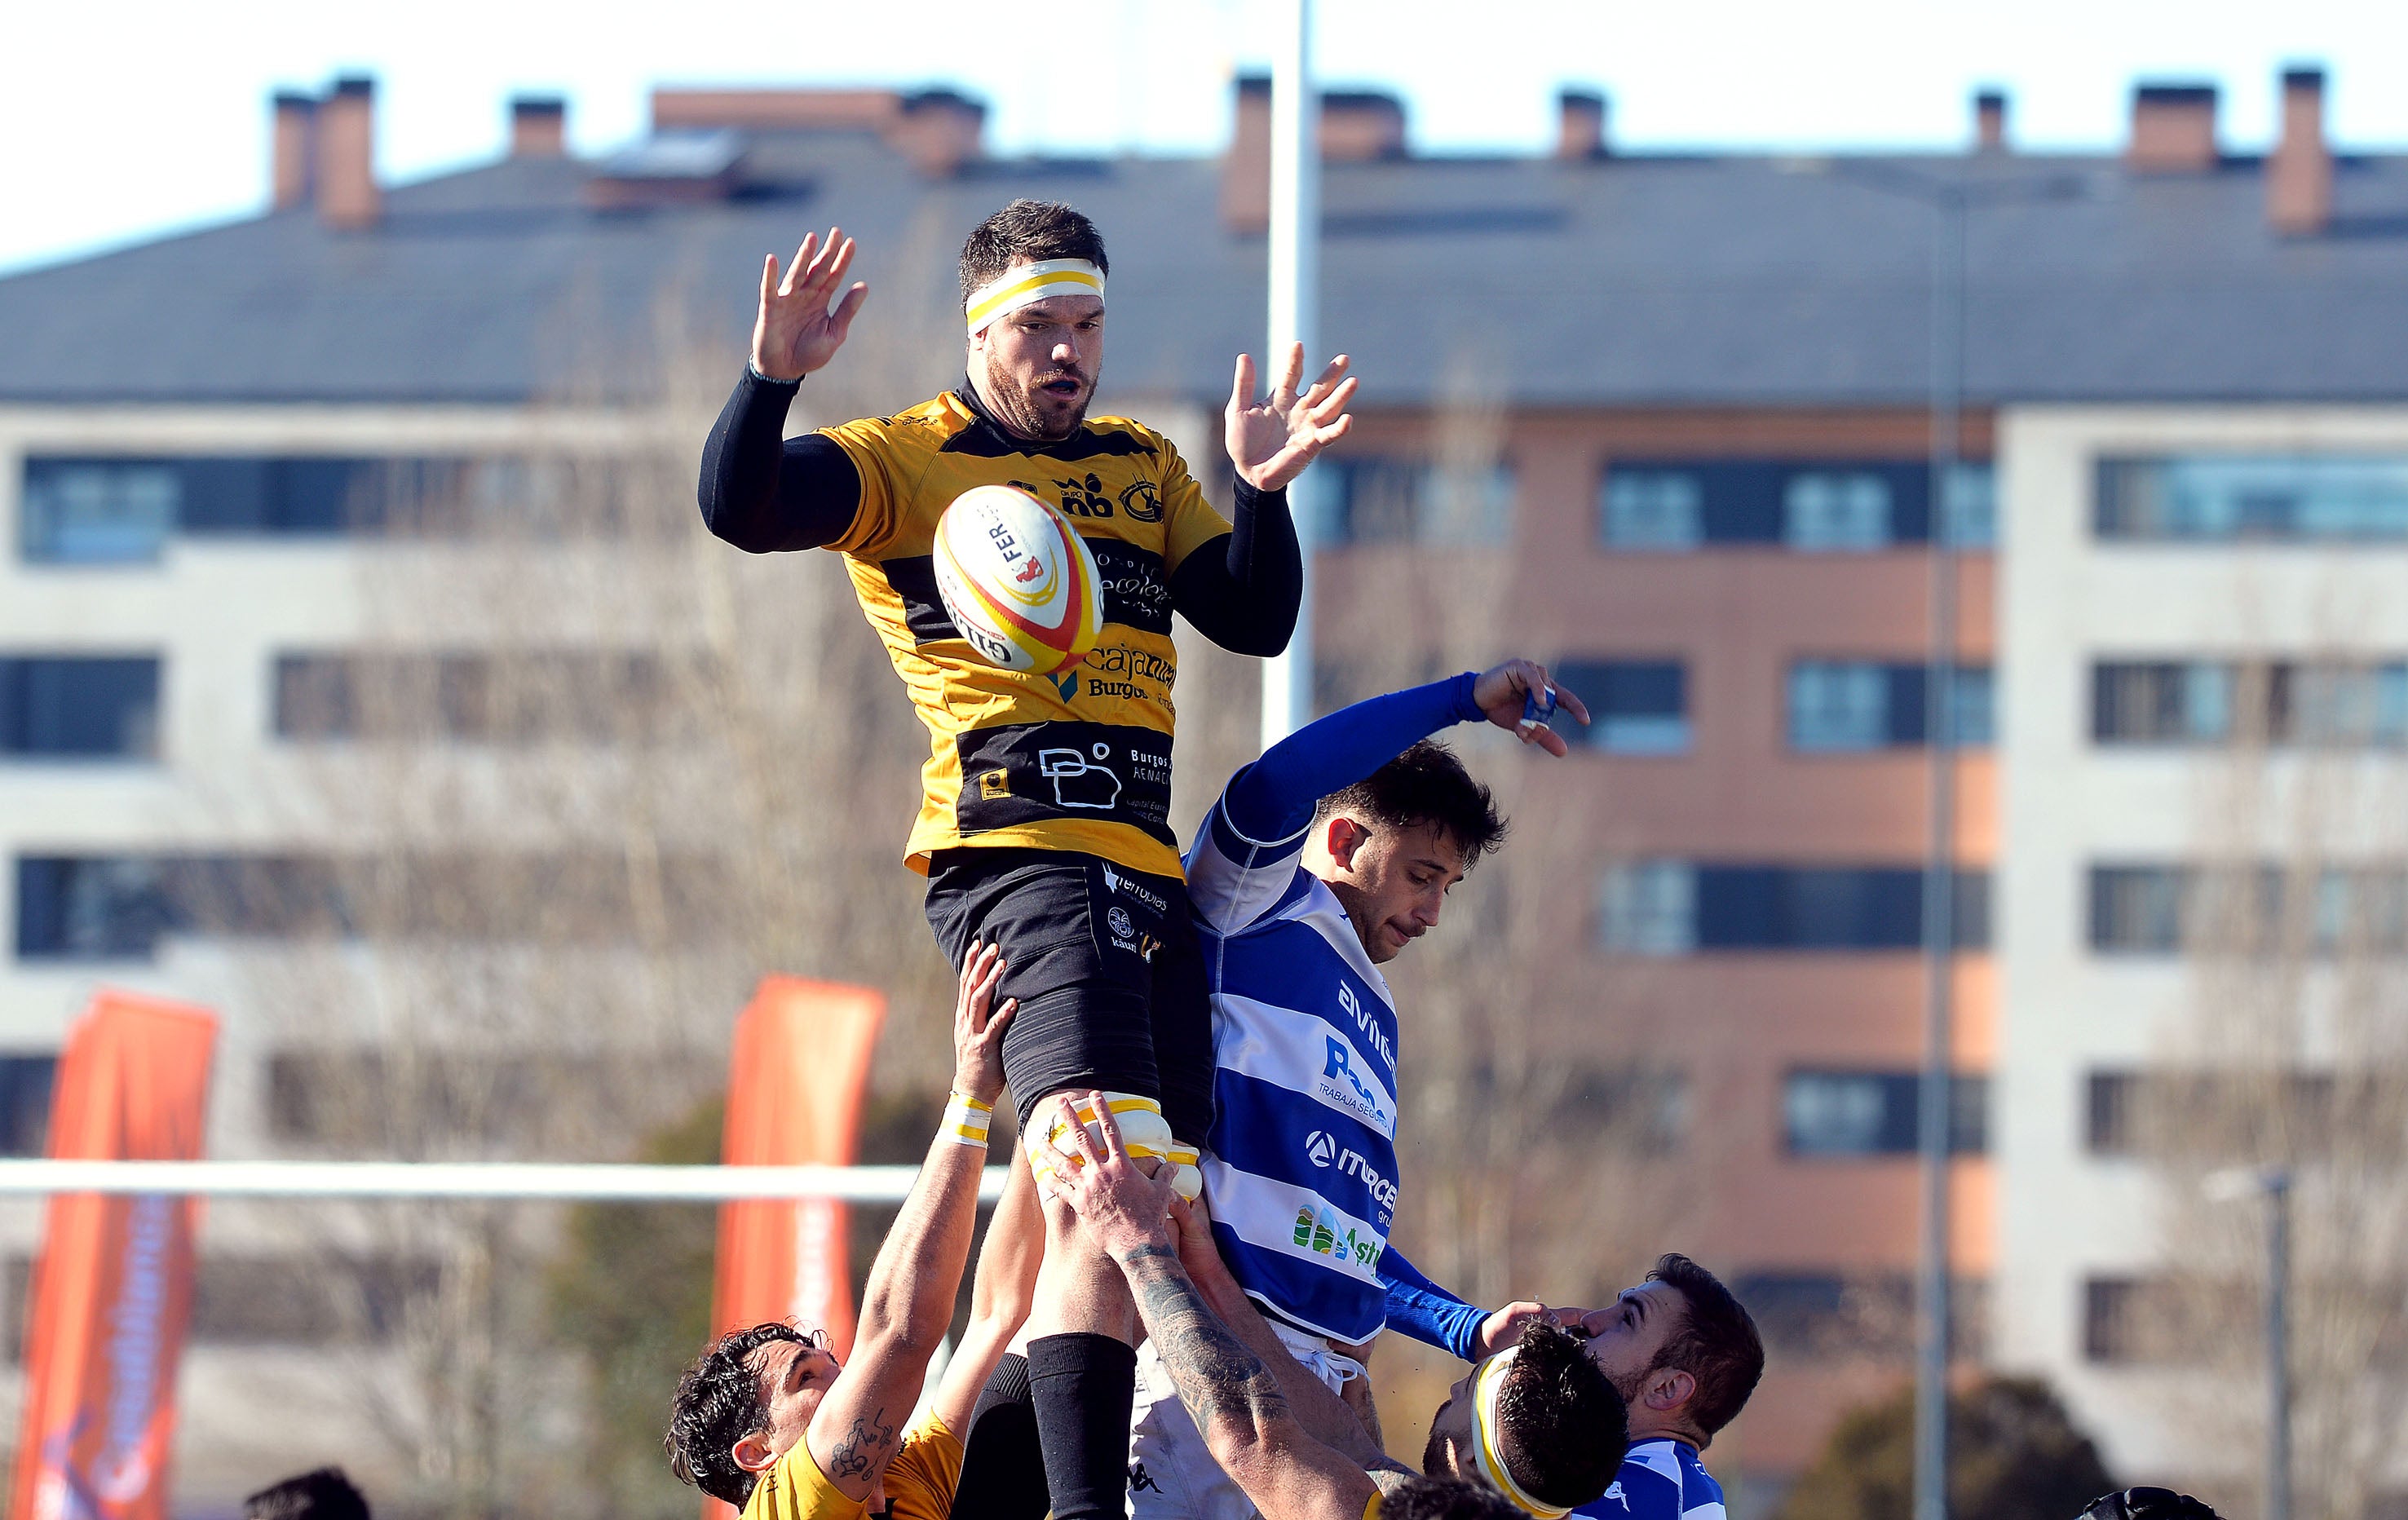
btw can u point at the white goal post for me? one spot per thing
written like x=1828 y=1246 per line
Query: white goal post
x=555 y=1182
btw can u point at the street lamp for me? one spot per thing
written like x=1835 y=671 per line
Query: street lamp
x=1951 y=196
x=2273 y=1185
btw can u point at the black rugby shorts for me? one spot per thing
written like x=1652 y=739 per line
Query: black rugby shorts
x=1105 y=963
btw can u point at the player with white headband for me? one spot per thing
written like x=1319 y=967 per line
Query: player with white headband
x=1044 y=820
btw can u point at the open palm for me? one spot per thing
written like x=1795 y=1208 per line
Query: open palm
x=796 y=332
x=1272 y=439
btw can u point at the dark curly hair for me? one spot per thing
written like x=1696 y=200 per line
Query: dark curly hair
x=1425 y=785
x=321 y=1494
x=718 y=1403
x=1443 y=1498
x=1562 y=1427
x=1032 y=230
x=1716 y=1342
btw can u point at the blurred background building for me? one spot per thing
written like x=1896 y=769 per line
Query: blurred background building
x=354 y=613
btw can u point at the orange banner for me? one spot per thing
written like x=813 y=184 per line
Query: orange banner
x=794 y=1086
x=113 y=1288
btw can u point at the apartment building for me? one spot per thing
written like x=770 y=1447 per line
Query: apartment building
x=1674 y=404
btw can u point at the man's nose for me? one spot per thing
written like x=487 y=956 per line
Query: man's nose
x=1426 y=910
x=1066 y=352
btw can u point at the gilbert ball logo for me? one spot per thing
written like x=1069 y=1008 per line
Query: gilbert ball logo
x=1320 y=1148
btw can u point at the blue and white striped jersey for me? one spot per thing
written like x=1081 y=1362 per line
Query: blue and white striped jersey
x=1300 y=1167
x=1660 y=1480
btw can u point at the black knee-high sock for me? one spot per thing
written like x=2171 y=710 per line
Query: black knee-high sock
x=1003 y=1471
x=1082 y=1387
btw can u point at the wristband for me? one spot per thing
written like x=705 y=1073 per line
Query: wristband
x=966 y=1120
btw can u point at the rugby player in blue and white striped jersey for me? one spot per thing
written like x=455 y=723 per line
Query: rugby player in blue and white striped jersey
x=1321 y=861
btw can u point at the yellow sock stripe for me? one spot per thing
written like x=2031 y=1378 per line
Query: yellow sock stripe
x=1031 y=283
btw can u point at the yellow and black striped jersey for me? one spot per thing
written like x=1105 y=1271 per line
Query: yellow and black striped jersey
x=1078 y=760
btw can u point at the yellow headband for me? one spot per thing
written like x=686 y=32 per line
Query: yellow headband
x=1488 y=1444
x=1030 y=283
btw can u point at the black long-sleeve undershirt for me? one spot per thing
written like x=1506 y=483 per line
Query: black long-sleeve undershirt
x=765 y=492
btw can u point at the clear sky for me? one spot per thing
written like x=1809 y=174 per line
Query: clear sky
x=125 y=120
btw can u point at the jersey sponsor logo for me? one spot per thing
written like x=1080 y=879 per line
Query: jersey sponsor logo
x=1153 y=673
x=1080 y=498
x=1136 y=592
x=1141 y=502
x=1078 y=783
x=1123 y=927
x=1063 y=768
x=1366 y=1025
x=1121 y=881
x=1618 y=1497
x=1321 y=1149
x=1339 y=1084
x=1067 y=683
x=1316 y=1230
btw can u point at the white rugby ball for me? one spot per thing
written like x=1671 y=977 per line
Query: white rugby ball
x=1017 y=580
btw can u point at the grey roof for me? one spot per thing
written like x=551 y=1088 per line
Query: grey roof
x=1632 y=281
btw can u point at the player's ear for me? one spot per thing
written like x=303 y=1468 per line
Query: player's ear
x=1667 y=1389
x=753 y=1454
x=1345 y=838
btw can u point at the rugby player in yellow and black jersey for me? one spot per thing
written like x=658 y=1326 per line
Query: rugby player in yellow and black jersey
x=1044 y=818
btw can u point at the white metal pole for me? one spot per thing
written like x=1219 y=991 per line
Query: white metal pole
x=1294 y=311
x=561 y=1181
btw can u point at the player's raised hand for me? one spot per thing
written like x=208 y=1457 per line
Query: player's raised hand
x=796 y=331
x=1504 y=692
x=978 y=1034
x=1504 y=1328
x=1271 y=438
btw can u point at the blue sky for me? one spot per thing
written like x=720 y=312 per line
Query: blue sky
x=123 y=120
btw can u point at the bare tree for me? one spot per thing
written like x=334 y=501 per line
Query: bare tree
x=2289 y=1053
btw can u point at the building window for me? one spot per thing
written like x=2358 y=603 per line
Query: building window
x=1810 y=505
x=1680 y=908
x=2109 y=1114
x=2111 y=1314
x=2248 y=910
x=1847 y=706
x=2209 y=499
x=79 y=707
x=1649 y=908
x=102 y=511
x=284 y=1302
x=1871 y=1114
x=1828 y=511
x=1387 y=500
x=1653 y=509
x=2276 y=702
x=103 y=908
x=515 y=697
x=25 y=1083
x=1636 y=706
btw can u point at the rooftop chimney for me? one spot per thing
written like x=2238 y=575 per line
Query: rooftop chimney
x=938 y=131
x=1361 y=125
x=1990 y=120
x=295 y=134
x=2299 y=171
x=346 y=178
x=2173 y=129
x=1580 y=125
x=1246 y=172
x=538 y=126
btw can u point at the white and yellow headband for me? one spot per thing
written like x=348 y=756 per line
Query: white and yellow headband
x=1488 y=1438
x=1028 y=285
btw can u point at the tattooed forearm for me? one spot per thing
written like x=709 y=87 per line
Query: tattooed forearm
x=1222 y=1382
x=861 y=1447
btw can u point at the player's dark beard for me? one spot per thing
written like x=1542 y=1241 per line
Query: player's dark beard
x=1019 y=408
x=1434 y=1463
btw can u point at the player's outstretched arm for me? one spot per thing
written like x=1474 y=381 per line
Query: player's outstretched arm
x=909 y=1299
x=1235 y=1396
x=1000 y=1293
x=1429 y=1313
x=759 y=492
